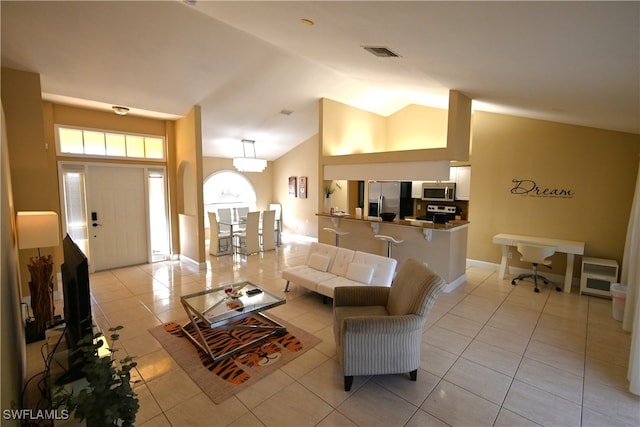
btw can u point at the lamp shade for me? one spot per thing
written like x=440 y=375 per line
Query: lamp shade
x=37 y=229
x=249 y=164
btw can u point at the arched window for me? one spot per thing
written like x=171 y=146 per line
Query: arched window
x=227 y=189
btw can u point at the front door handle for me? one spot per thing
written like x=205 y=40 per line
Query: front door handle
x=95 y=224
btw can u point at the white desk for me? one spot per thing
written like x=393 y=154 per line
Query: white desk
x=570 y=247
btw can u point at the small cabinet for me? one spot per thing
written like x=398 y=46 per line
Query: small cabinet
x=461 y=175
x=597 y=276
x=416 y=189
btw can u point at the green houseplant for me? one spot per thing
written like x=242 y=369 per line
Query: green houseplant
x=108 y=399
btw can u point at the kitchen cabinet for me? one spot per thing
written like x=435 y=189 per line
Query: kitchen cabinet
x=461 y=175
x=416 y=189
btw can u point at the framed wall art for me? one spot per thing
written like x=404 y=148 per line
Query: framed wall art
x=302 y=187
x=293 y=186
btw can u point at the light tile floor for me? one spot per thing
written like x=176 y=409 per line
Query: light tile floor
x=492 y=355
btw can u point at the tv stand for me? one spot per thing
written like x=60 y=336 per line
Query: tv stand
x=62 y=370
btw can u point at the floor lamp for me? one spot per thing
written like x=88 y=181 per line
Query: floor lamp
x=39 y=230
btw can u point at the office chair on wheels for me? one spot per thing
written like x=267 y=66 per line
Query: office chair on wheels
x=535 y=254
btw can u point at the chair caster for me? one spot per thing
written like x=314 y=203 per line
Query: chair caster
x=513 y=282
x=545 y=282
x=558 y=288
x=536 y=290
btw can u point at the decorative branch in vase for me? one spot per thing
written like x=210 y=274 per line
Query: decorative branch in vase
x=328 y=191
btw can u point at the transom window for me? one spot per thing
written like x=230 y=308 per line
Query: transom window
x=227 y=189
x=91 y=142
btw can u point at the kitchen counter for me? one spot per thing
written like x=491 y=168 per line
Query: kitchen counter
x=443 y=247
x=408 y=221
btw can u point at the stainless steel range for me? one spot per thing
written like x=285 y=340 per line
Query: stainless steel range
x=439 y=214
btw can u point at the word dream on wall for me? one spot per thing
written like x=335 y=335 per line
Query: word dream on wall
x=528 y=187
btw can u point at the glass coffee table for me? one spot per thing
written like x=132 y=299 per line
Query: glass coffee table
x=216 y=309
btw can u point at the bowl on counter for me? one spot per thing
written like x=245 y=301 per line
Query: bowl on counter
x=388 y=216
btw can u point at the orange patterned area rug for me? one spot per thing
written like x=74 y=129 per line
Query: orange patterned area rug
x=223 y=379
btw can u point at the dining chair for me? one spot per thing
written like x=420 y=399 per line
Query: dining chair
x=240 y=215
x=219 y=241
x=278 y=208
x=241 y=212
x=268 y=231
x=224 y=217
x=248 y=240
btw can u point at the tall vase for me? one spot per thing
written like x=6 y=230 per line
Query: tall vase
x=41 y=288
x=327 y=204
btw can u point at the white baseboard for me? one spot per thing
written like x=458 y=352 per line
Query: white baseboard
x=453 y=285
x=200 y=265
x=482 y=264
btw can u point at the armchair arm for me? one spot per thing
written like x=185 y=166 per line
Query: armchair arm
x=382 y=325
x=360 y=295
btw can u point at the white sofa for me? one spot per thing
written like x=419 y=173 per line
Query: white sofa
x=327 y=267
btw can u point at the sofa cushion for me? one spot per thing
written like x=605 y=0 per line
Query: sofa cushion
x=360 y=272
x=306 y=276
x=341 y=261
x=383 y=267
x=319 y=262
x=322 y=249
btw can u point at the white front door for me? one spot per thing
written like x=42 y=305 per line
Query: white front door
x=116 y=201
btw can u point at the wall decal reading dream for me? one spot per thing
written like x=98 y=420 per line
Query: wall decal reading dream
x=527 y=187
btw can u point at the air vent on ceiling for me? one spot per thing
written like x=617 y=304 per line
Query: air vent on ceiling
x=381 y=51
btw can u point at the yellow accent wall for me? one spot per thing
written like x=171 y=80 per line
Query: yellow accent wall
x=350 y=130
x=417 y=127
x=598 y=166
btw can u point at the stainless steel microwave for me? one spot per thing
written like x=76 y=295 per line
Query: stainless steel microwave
x=439 y=191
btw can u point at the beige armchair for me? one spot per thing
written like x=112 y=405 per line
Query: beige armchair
x=378 y=330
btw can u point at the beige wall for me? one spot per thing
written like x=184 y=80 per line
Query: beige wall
x=34 y=173
x=299 y=215
x=598 y=166
x=12 y=341
x=349 y=135
x=189 y=186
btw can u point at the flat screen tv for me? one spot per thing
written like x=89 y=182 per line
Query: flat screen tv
x=77 y=301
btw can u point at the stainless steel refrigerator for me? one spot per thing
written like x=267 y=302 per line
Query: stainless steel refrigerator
x=390 y=196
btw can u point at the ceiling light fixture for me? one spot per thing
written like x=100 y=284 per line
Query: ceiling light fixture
x=249 y=164
x=119 y=110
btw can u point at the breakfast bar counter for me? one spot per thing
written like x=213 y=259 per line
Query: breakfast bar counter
x=443 y=247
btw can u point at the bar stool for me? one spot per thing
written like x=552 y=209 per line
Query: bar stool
x=390 y=242
x=337 y=233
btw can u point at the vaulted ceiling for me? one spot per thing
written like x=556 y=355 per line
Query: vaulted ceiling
x=257 y=70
